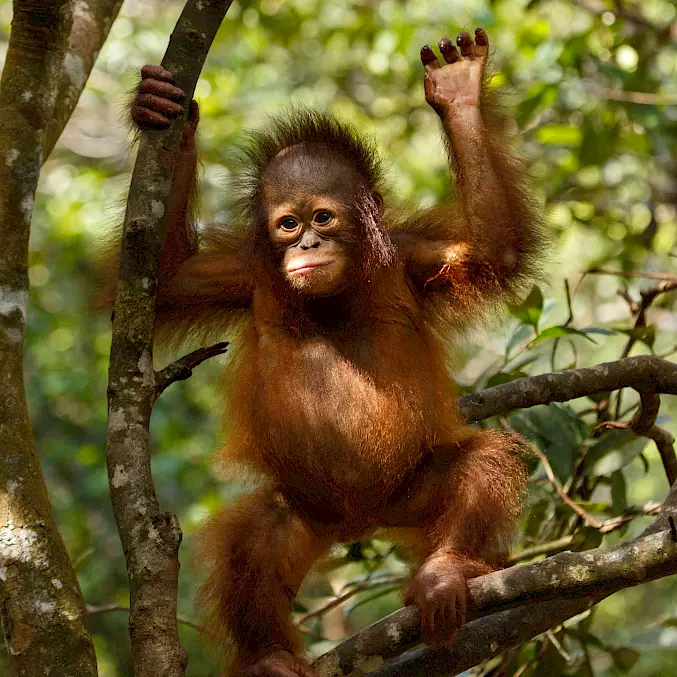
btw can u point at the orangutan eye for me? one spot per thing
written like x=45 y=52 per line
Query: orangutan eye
x=323 y=217
x=288 y=223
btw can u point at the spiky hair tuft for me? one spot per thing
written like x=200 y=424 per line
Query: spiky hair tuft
x=312 y=128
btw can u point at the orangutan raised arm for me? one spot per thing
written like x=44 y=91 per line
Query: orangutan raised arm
x=486 y=243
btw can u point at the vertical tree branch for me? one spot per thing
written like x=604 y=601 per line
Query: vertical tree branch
x=150 y=536
x=42 y=609
x=92 y=20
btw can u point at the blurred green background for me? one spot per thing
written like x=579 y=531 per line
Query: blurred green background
x=604 y=160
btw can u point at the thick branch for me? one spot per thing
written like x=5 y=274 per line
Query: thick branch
x=484 y=637
x=150 y=537
x=42 y=609
x=642 y=373
x=568 y=575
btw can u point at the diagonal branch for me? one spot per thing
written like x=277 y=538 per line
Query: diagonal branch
x=641 y=373
x=182 y=368
x=485 y=637
x=568 y=575
x=584 y=515
x=554 y=589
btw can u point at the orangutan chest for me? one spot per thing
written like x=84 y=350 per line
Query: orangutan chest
x=328 y=399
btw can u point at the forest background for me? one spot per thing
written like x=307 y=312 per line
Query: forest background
x=593 y=88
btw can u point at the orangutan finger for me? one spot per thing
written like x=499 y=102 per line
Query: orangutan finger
x=168 y=108
x=156 y=73
x=429 y=59
x=465 y=43
x=449 y=51
x=481 y=43
x=164 y=89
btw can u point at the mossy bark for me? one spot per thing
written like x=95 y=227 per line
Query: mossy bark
x=150 y=536
x=42 y=609
x=92 y=20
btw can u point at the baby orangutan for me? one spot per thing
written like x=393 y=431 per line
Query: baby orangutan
x=340 y=400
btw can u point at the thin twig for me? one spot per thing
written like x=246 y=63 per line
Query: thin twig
x=640 y=308
x=93 y=610
x=584 y=515
x=558 y=646
x=632 y=273
x=522 y=669
x=607 y=526
x=340 y=599
x=644 y=98
x=651 y=508
x=542 y=549
x=554 y=481
x=182 y=368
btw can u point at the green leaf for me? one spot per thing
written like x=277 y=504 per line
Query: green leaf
x=559 y=135
x=646 y=335
x=614 y=452
x=505 y=377
x=604 y=444
x=529 y=311
x=586 y=539
x=619 y=498
x=542 y=98
x=558 y=331
x=624 y=658
x=557 y=430
x=520 y=335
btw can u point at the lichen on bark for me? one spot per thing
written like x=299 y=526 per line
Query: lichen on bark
x=42 y=609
